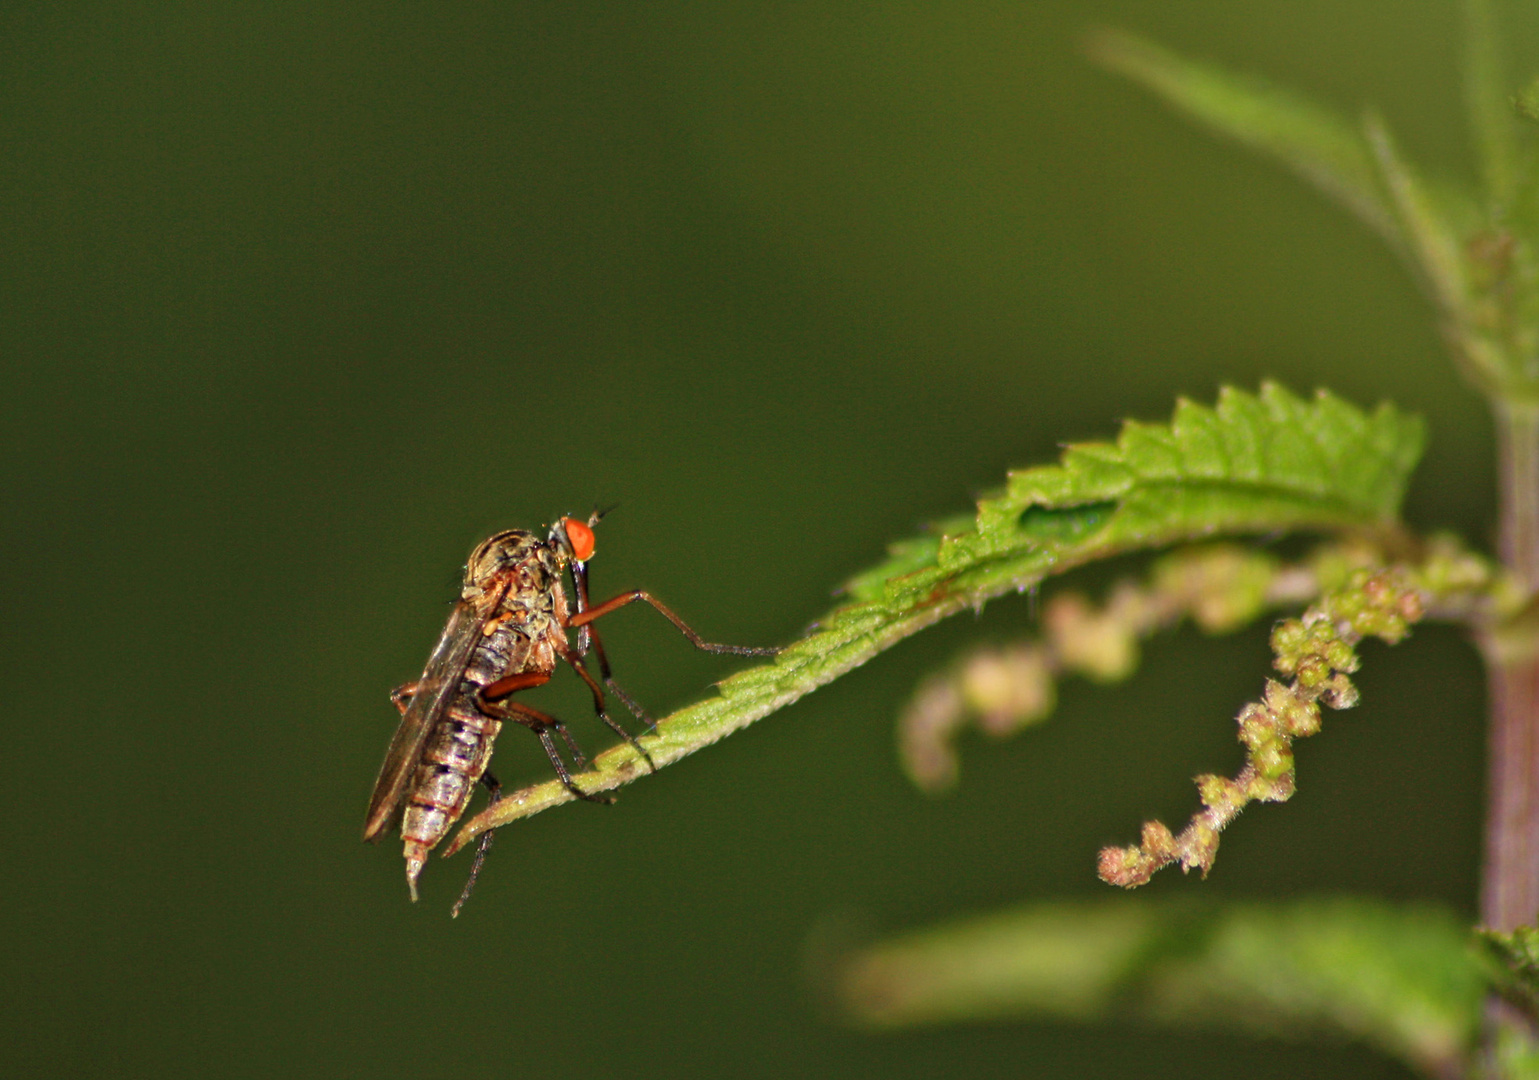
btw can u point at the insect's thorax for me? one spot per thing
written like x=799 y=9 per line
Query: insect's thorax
x=525 y=630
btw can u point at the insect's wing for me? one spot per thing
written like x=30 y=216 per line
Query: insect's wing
x=437 y=685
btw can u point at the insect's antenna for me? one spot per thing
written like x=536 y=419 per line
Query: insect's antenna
x=599 y=515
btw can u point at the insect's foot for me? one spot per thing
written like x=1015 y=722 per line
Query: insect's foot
x=588 y=796
x=642 y=750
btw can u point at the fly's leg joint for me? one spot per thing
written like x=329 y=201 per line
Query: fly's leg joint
x=401 y=696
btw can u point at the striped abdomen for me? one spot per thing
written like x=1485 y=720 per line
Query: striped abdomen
x=458 y=750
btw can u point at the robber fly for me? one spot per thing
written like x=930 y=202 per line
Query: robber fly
x=507 y=633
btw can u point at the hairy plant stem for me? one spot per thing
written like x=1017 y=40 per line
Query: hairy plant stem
x=1510 y=882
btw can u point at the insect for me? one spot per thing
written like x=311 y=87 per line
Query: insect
x=507 y=633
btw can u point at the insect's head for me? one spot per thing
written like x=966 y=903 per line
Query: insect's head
x=573 y=538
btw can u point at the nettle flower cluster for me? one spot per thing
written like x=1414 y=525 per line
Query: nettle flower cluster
x=1319 y=651
x=1357 y=594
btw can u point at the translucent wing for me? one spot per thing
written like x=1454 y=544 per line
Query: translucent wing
x=437 y=685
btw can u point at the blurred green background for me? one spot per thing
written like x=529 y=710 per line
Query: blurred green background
x=298 y=302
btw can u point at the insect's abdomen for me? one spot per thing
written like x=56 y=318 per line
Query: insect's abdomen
x=457 y=753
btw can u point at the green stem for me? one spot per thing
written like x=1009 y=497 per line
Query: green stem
x=1510 y=876
x=1510 y=886
x=1518 y=430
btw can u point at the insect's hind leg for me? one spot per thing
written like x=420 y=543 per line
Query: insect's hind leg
x=494 y=789
x=543 y=731
x=542 y=724
x=619 y=729
x=648 y=723
x=631 y=704
x=575 y=660
x=579 y=759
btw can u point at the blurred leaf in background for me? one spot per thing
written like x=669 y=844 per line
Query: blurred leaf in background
x=1397 y=978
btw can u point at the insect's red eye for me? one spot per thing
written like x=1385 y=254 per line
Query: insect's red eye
x=580 y=537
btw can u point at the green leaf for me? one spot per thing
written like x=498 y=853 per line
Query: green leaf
x=1469 y=255
x=1267 y=463
x=1315 y=144
x=1401 y=979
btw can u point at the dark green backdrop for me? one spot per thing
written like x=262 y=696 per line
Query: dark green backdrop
x=299 y=301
